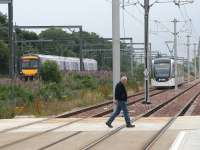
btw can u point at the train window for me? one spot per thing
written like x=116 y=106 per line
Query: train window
x=67 y=65
x=86 y=66
x=76 y=65
x=162 y=70
x=73 y=66
x=70 y=66
x=29 y=64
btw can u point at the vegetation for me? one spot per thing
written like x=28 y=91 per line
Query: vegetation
x=50 y=98
x=3 y=44
x=4 y=58
x=50 y=72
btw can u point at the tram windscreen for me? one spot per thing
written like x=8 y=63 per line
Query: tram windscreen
x=29 y=64
x=162 y=70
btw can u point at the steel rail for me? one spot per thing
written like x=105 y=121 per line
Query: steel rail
x=108 y=134
x=69 y=114
x=161 y=132
x=158 y=107
x=47 y=131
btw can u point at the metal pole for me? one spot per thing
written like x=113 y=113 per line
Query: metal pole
x=150 y=61
x=146 y=41
x=81 y=50
x=188 y=57
x=131 y=55
x=199 y=56
x=175 y=52
x=195 y=62
x=11 y=45
x=116 y=42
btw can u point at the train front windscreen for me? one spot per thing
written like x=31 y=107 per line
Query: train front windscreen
x=29 y=64
x=162 y=71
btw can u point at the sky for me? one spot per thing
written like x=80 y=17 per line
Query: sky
x=96 y=16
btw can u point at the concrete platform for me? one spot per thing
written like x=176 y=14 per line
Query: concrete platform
x=187 y=140
x=92 y=128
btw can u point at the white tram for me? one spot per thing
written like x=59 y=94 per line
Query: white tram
x=163 y=72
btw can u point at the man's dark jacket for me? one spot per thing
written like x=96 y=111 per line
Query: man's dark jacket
x=120 y=92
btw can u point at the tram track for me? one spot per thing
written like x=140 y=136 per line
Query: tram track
x=53 y=129
x=161 y=132
x=70 y=114
x=76 y=133
x=147 y=114
x=107 y=135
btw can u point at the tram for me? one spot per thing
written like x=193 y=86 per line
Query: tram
x=163 y=72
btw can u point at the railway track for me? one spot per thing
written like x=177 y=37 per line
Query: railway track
x=78 y=132
x=73 y=113
x=161 y=132
x=91 y=145
x=61 y=126
x=147 y=114
x=94 y=107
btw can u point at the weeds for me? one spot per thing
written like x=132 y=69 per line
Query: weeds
x=51 y=98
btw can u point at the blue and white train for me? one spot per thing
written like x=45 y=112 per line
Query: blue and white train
x=163 y=72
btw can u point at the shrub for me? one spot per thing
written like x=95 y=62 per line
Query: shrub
x=54 y=91
x=11 y=97
x=133 y=84
x=77 y=81
x=105 y=87
x=50 y=72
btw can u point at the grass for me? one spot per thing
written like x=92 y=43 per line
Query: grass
x=44 y=99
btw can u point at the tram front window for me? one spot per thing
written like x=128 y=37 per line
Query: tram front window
x=162 y=70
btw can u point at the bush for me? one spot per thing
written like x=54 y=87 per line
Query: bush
x=77 y=81
x=52 y=91
x=50 y=72
x=105 y=87
x=139 y=74
x=18 y=92
x=11 y=97
x=4 y=57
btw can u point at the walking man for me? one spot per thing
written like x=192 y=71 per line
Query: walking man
x=121 y=100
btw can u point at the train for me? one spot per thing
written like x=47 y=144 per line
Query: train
x=30 y=64
x=163 y=72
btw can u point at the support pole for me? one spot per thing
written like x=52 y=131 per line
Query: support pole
x=195 y=62
x=175 y=52
x=11 y=45
x=188 y=58
x=116 y=42
x=81 y=49
x=146 y=44
x=131 y=55
x=199 y=56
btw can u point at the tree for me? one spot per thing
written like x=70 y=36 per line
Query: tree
x=26 y=35
x=50 y=72
x=54 y=34
x=3 y=27
x=62 y=43
x=4 y=58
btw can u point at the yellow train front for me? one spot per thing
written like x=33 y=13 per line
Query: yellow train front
x=29 y=67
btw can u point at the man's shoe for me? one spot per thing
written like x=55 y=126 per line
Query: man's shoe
x=130 y=126
x=109 y=125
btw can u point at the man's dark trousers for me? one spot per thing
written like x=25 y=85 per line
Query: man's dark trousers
x=121 y=105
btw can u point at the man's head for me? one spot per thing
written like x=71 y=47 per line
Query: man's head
x=124 y=80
